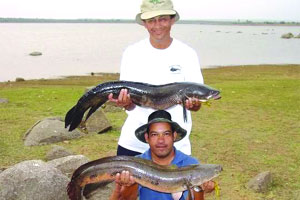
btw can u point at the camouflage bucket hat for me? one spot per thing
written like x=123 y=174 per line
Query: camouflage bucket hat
x=154 y=8
x=160 y=116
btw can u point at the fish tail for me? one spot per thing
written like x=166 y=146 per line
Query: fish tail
x=74 y=191
x=69 y=116
x=73 y=118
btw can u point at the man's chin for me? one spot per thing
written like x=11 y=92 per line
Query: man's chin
x=162 y=153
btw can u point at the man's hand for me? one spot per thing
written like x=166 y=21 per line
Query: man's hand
x=193 y=104
x=208 y=186
x=176 y=196
x=123 y=100
x=124 y=179
x=125 y=188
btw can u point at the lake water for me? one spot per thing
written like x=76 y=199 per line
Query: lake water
x=79 y=49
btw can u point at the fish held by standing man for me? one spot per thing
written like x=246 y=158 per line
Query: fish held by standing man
x=142 y=94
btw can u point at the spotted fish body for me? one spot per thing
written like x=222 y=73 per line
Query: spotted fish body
x=168 y=179
x=142 y=94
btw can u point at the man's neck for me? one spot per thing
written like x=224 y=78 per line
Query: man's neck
x=161 y=44
x=163 y=161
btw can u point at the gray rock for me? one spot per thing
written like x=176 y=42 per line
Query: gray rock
x=111 y=107
x=287 y=36
x=102 y=193
x=97 y=123
x=33 y=180
x=49 y=130
x=260 y=182
x=36 y=53
x=298 y=36
x=58 y=152
x=2 y=169
x=3 y=100
x=67 y=165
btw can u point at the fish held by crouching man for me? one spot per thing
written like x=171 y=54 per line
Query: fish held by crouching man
x=169 y=179
x=159 y=97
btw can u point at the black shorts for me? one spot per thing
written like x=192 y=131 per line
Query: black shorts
x=126 y=152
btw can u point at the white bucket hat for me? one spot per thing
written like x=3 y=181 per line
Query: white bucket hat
x=154 y=8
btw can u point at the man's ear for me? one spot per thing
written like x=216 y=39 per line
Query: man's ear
x=146 y=137
x=175 y=135
x=173 y=20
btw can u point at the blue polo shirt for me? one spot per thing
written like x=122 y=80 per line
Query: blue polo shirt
x=180 y=160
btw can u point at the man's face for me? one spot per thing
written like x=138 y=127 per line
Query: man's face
x=159 y=27
x=161 y=139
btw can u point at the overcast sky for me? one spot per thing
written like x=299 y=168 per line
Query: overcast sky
x=288 y=10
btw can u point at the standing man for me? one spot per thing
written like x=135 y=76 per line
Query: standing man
x=159 y=59
x=160 y=134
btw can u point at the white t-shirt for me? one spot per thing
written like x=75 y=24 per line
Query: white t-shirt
x=141 y=62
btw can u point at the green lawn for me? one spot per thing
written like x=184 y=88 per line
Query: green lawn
x=255 y=127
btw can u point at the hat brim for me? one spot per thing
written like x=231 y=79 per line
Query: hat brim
x=148 y=15
x=140 y=132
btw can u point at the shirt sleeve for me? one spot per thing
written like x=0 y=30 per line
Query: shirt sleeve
x=193 y=70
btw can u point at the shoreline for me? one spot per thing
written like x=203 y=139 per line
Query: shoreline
x=182 y=21
x=21 y=79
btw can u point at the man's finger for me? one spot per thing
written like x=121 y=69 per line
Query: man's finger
x=110 y=98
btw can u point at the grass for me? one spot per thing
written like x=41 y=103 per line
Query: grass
x=255 y=127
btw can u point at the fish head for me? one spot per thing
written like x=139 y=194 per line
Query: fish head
x=204 y=172
x=202 y=92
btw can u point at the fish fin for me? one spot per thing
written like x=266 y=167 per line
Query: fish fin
x=90 y=189
x=190 y=193
x=94 y=108
x=184 y=110
x=74 y=191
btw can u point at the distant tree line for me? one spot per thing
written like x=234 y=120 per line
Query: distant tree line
x=216 y=22
x=37 y=20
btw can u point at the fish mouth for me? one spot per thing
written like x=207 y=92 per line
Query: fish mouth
x=216 y=97
x=212 y=96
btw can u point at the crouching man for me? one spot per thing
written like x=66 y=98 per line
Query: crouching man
x=160 y=133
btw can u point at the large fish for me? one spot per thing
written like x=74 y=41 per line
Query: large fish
x=169 y=179
x=142 y=94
